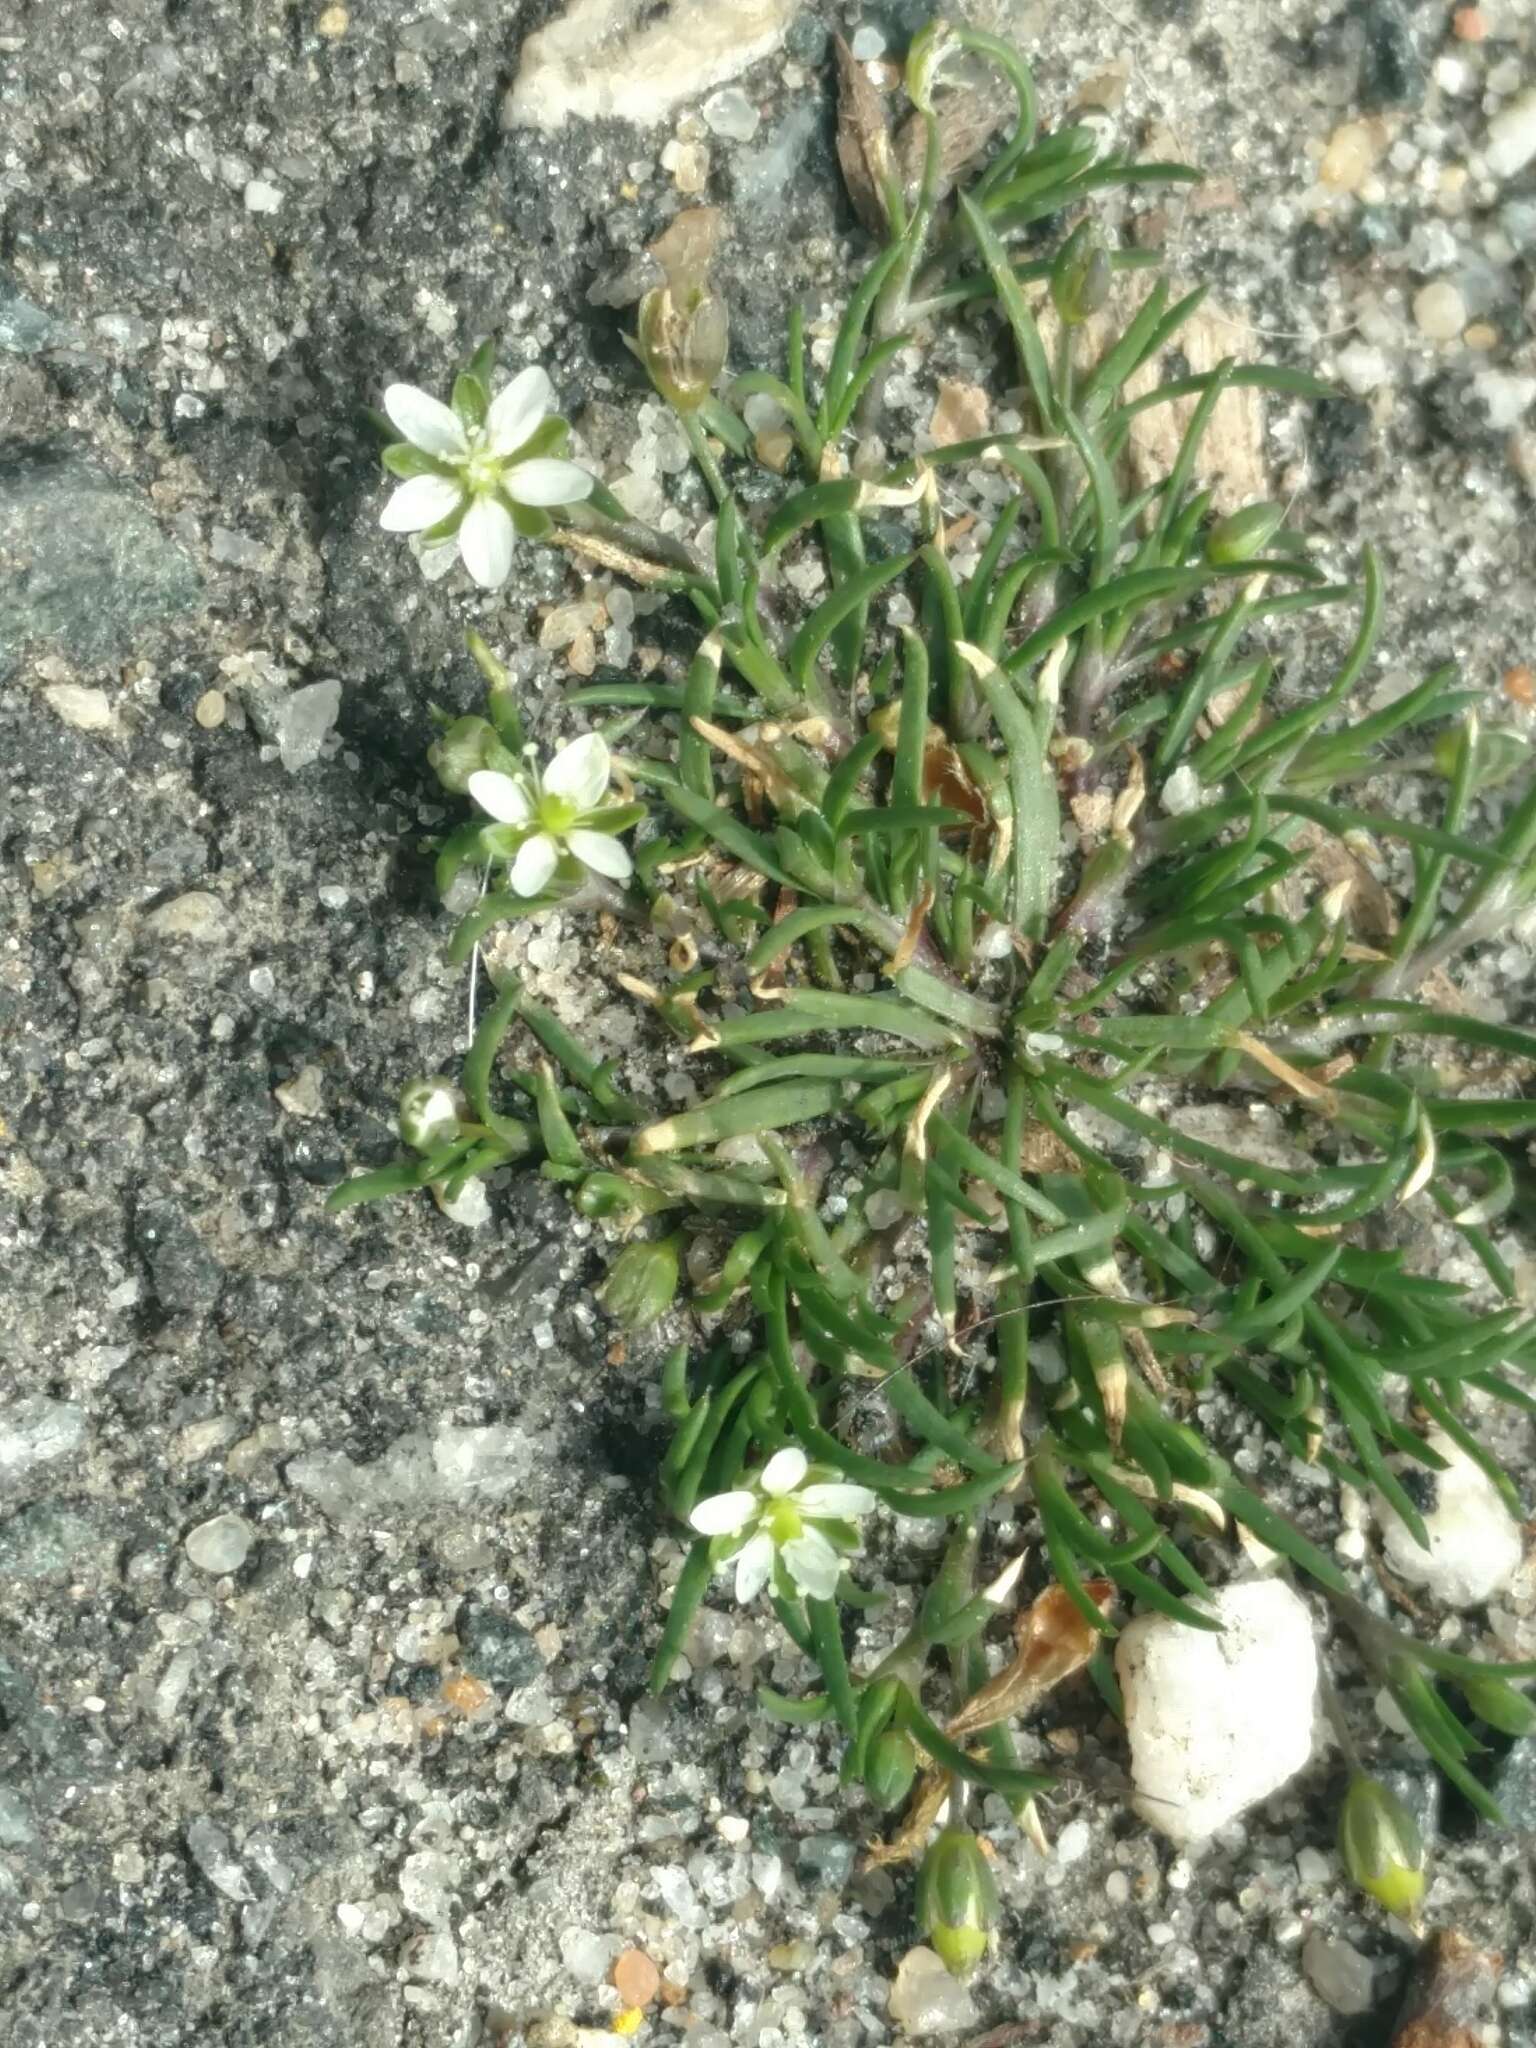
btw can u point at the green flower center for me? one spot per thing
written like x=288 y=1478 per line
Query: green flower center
x=783 y=1523
x=557 y=814
x=482 y=472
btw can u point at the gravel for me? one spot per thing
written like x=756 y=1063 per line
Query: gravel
x=319 y=1782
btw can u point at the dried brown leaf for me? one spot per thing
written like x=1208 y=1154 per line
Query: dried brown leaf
x=968 y=119
x=908 y=1841
x=863 y=141
x=1053 y=1641
x=686 y=248
x=1451 y=1999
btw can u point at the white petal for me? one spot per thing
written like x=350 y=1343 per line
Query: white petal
x=754 y=1562
x=485 y=542
x=580 y=771
x=537 y=859
x=602 y=853
x=425 y=421
x=501 y=797
x=840 y=1503
x=546 y=481
x=813 y=1564
x=516 y=411
x=783 y=1471
x=418 y=503
x=723 y=1514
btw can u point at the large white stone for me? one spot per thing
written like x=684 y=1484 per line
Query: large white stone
x=1218 y=1722
x=1474 y=1541
x=628 y=61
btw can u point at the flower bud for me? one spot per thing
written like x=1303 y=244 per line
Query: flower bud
x=1499 y=755
x=891 y=1768
x=429 y=1113
x=1495 y=1700
x=1382 y=1848
x=1243 y=534
x=460 y=751
x=1080 y=276
x=956 y=1900
x=642 y=1282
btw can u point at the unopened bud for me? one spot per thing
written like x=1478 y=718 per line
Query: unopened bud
x=461 y=751
x=1498 y=756
x=1382 y=1848
x=1243 y=534
x=1495 y=1700
x=642 y=1283
x=891 y=1768
x=1081 y=276
x=429 y=1113
x=956 y=1900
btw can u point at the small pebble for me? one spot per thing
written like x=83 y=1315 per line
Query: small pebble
x=1469 y=25
x=1339 y=1974
x=1440 y=311
x=1474 y=1541
x=1351 y=155
x=260 y=197
x=333 y=22
x=1512 y=137
x=961 y=414
x=209 y=709
x=926 y=1999
x=868 y=43
x=221 y=1545
x=86 y=710
x=636 y=1978
x=732 y=115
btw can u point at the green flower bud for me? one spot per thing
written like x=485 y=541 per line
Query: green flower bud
x=891 y=1768
x=1081 y=276
x=1495 y=1700
x=1382 y=1848
x=460 y=751
x=1499 y=755
x=429 y=1113
x=1243 y=534
x=956 y=1900
x=642 y=1282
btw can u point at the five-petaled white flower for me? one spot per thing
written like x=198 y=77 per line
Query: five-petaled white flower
x=783 y=1522
x=477 y=470
x=561 y=810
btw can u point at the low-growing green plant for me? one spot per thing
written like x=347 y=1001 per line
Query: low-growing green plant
x=961 y=909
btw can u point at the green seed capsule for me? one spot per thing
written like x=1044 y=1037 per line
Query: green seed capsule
x=429 y=1114
x=683 y=340
x=1081 y=276
x=891 y=1769
x=1243 y=534
x=1495 y=1700
x=1382 y=1848
x=642 y=1282
x=956 y=1900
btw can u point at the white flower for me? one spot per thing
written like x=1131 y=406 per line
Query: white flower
x=562 y=809
x=476 y=470
x=782 y=1521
